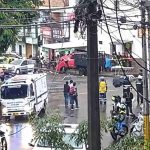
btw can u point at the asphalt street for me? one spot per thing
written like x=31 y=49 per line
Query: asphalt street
x=20 y=132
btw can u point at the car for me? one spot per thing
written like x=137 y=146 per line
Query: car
x=69 y=129
x=21 y=66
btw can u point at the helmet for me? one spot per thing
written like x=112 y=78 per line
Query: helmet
x=140 y=77
x=101 y=78
x=122 y=107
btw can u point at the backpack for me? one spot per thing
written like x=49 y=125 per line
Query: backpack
x=72 y=90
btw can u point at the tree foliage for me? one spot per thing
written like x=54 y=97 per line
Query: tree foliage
x=49 y=129
x=128 y=143
x=9 y=35
x=55 y=133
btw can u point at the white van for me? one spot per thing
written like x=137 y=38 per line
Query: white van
x=22 y=95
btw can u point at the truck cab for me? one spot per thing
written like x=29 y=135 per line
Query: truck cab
x=22 y=95
x=65 y=62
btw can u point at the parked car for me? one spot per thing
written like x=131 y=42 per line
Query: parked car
x=69 y=129
x=21 y=66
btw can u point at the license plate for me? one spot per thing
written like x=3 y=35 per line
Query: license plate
x=15 y=114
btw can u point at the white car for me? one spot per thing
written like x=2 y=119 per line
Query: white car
x=21 y=66
x=69 y=129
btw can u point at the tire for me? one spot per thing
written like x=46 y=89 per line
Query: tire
x=3 y=143
x=17 y=71
x=63 y=70
x=113 y=134
x=44 y=108
x=81 y=71
x=131 y=130
x=84 y=72
x=125 y=129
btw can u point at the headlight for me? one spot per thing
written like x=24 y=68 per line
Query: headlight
x=4 y=110
x=27 y=108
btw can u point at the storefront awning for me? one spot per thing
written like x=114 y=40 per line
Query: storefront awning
x=66 y=45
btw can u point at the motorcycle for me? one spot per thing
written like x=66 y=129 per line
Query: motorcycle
x=118 y=107
x=119 y=127
x=137 y=127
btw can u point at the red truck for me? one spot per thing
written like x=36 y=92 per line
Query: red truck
x=76 y=60
x=66 y=62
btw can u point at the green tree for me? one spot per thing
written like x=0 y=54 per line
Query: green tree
x=8 y=36
x=49 y=129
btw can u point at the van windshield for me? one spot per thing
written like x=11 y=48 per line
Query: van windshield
x=16 y=62
x=14 y=91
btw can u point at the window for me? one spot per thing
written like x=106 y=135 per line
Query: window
x=24 y=63
x=14 y=92
x=17 y=62
x=31 y=62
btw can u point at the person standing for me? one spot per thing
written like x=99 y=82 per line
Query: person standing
x=139 y=88
x=71 y=92
x=66 y=93
x=128 y=95
x=75 y=95
x=102 y=90
x=71 y=83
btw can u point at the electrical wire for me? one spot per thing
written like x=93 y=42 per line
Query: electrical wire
x=117 y=55
x=124 y=43
x=118 y=26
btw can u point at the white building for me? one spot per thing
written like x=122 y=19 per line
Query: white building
x=129 y=35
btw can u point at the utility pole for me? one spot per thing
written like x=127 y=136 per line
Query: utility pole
x=145 y=81
x=148 y=11
x=92 y=78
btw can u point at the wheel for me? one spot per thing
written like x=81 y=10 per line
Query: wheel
x=131 y=130
x=44 y=108
x=113 y=134
x=85 y=72
x=63 y=70
x=124 y=131
x=81 y=71
x=3 y=143
x=17 y=71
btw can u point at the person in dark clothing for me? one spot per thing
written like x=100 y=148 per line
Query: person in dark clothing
x=66 y=93
x=75 y=95
x=139 y=88
x=128 y=95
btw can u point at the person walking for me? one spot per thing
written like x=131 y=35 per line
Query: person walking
x=139 y=88
x=66 y=93
x=128 y=95
x=75 y=95
x=102 y=90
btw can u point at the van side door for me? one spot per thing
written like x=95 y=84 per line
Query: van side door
x=23 y=67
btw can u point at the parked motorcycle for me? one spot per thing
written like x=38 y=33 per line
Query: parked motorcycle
x=119 y=127
x=137 y=127
x=118 y=107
